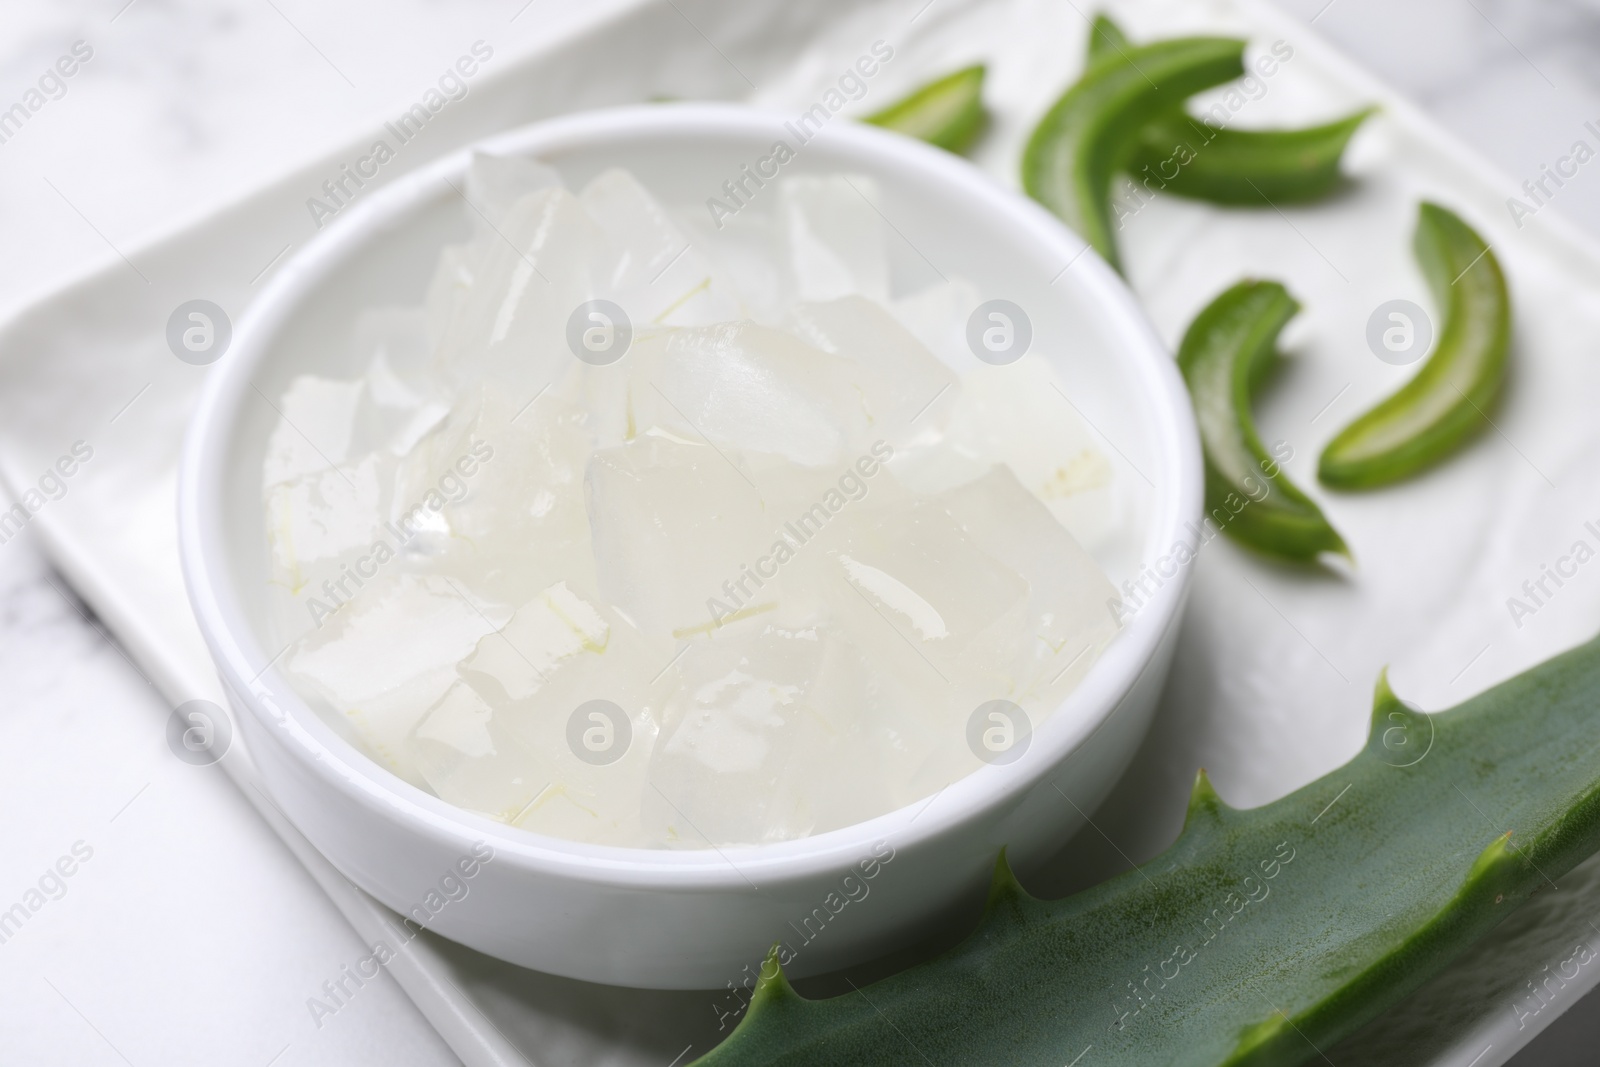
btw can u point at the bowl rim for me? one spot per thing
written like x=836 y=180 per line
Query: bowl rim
x=321 y=751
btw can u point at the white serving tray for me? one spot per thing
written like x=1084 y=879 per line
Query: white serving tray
x=1273 y=674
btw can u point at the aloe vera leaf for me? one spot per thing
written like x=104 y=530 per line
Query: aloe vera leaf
x=948 y=112
x=1106 y=38
x=1196 y=159
x=1261 y=935
x=1190 y=157
x=1448 y=401
x=1224 y=355
x=1090 y=132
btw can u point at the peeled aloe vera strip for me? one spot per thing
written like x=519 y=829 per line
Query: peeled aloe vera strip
x=1260 y=935
x=1223 y=356
x=1090 y=132
x=947 y=112
x=1448 y=401
x=1190 y=157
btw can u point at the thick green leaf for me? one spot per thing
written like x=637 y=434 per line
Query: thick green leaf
x=1186 y=156
x=947 y=112
x=1225 y=353
x=1253 y=168
x=1106 y=38
x=1090 y=133
x=1448 y=401
x=1261 y=935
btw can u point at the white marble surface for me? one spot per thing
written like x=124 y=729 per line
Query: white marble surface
x=190 y=935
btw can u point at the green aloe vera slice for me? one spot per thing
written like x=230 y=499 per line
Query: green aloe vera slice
x=1262 y=935
x=1448 y=401
x=1092 y=130
x=1228 y=349
x=947 y=112
x=1190 y=157
x=1106 y=39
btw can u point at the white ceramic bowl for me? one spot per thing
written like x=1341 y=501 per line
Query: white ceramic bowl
x=692 y=919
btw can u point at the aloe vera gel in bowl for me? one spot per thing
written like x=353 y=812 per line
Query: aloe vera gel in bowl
x=657 y=528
